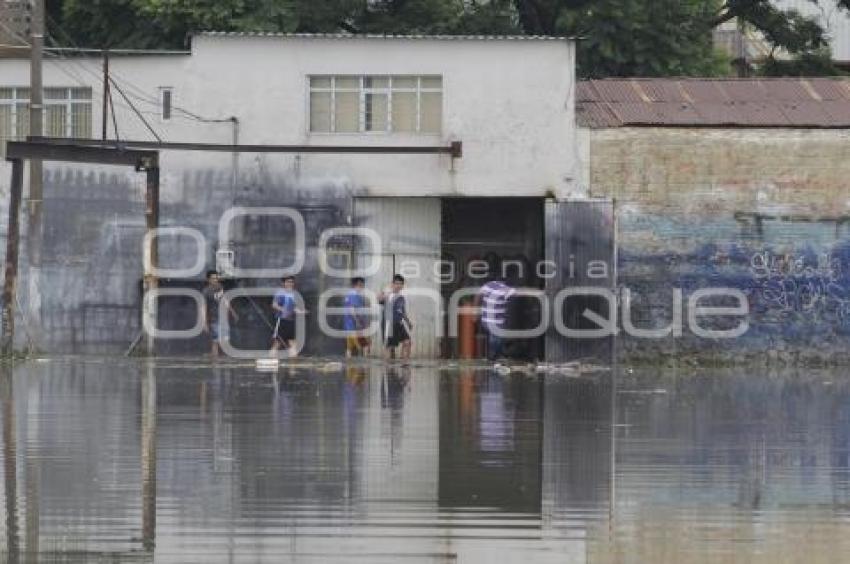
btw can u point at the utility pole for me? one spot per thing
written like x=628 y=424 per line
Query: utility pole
x=36 y=195
x=105 y=120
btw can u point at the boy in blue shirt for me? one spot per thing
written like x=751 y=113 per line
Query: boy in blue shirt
x=285 y=308
x=354 y=322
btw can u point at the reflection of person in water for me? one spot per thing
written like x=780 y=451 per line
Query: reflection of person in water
x=393 y=385
x=351 y=391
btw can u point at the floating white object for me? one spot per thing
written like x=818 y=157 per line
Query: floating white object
x=501 y=369
x=267 y=363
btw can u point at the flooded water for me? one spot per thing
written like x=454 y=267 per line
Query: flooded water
x=114 y=461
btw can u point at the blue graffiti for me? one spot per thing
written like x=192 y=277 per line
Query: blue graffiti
x=808 y=283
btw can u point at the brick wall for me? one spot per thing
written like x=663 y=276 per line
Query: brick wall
x=765 y=211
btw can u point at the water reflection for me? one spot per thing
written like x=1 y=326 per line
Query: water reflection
x=174 y=462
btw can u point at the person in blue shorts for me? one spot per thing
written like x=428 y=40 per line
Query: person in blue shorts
x=285 y=308
x=355 y=323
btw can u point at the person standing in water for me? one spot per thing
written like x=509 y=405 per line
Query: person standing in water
x=213 y=293
x=396 y=323
x=285 y=309
x=356 y=343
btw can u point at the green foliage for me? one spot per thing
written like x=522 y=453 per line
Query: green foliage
x=618 y=37
x=640 y=38
x=817 y=63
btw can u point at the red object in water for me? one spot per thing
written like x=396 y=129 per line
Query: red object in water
x=466 y=332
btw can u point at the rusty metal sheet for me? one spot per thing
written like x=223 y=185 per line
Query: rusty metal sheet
x=810 y=113
x=761 y=114
x=787 y=90
x=719 y=113
x=594 y=115
x=658 y=113
x=744 y=90
x=838 y=112
x=830 y=88
x=661 y=90
x=578 y=233
x=728 y=102
x=617 y=91
x=704 y=90
x=585 y=91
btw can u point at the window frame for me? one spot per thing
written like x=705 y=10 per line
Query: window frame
x=363 y=90
x=162 y=91
x=67 y=101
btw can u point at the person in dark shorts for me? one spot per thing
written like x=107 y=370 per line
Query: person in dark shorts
x=285 y=308
x=396 y=324
x=213 y=293
x=356 y=343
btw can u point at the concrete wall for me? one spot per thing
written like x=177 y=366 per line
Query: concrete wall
x=509 y=101
x=516 y=128
x=764 y=211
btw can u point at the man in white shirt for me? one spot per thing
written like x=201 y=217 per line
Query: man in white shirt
x=493 y=301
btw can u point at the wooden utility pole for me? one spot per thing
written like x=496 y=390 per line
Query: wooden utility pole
x=36 y=101
x=105 y=119
x=36 y=194
x=10 y=283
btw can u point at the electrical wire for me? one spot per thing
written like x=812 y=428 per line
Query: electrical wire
x=132 y=89
x=140 y=116
x=15 y=34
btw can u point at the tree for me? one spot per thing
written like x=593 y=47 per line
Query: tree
x=640 y=37
x=618 y=37
x=651 y=37
x=166 y=23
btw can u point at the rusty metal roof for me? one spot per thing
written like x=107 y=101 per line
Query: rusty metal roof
x=707 y=102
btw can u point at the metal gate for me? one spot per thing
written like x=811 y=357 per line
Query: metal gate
x=580 y=239
x=410 y=234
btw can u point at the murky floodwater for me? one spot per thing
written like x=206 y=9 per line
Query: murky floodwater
x=112 y=461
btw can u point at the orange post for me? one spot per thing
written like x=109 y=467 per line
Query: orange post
x=466 y=332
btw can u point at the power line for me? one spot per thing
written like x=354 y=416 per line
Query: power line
x=114 y=120
x=15 y=34
x=140 y=116
x=131 y=89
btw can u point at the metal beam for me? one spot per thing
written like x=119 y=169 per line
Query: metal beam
x=454 y=149
x=21 y=150
x=13 y=234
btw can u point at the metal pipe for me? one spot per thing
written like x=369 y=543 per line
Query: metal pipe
x=148 y=451
x=149 y=308
x=105 y=102
x=7 y=338
x=454 y=149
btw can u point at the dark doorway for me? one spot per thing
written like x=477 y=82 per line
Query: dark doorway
x=507 y=234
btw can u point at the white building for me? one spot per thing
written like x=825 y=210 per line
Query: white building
x=508 y=100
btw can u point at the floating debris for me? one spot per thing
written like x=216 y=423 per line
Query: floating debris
x=267 y=364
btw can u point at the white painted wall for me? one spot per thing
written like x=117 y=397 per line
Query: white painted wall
x=509 y=101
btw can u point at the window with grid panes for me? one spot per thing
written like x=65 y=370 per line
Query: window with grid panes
x=67 y=113
x=376 y=104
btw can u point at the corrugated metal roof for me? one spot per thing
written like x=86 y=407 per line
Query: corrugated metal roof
x=379 y=36
x=726 y=102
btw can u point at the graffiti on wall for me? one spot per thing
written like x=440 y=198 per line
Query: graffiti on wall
x=815 y=285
